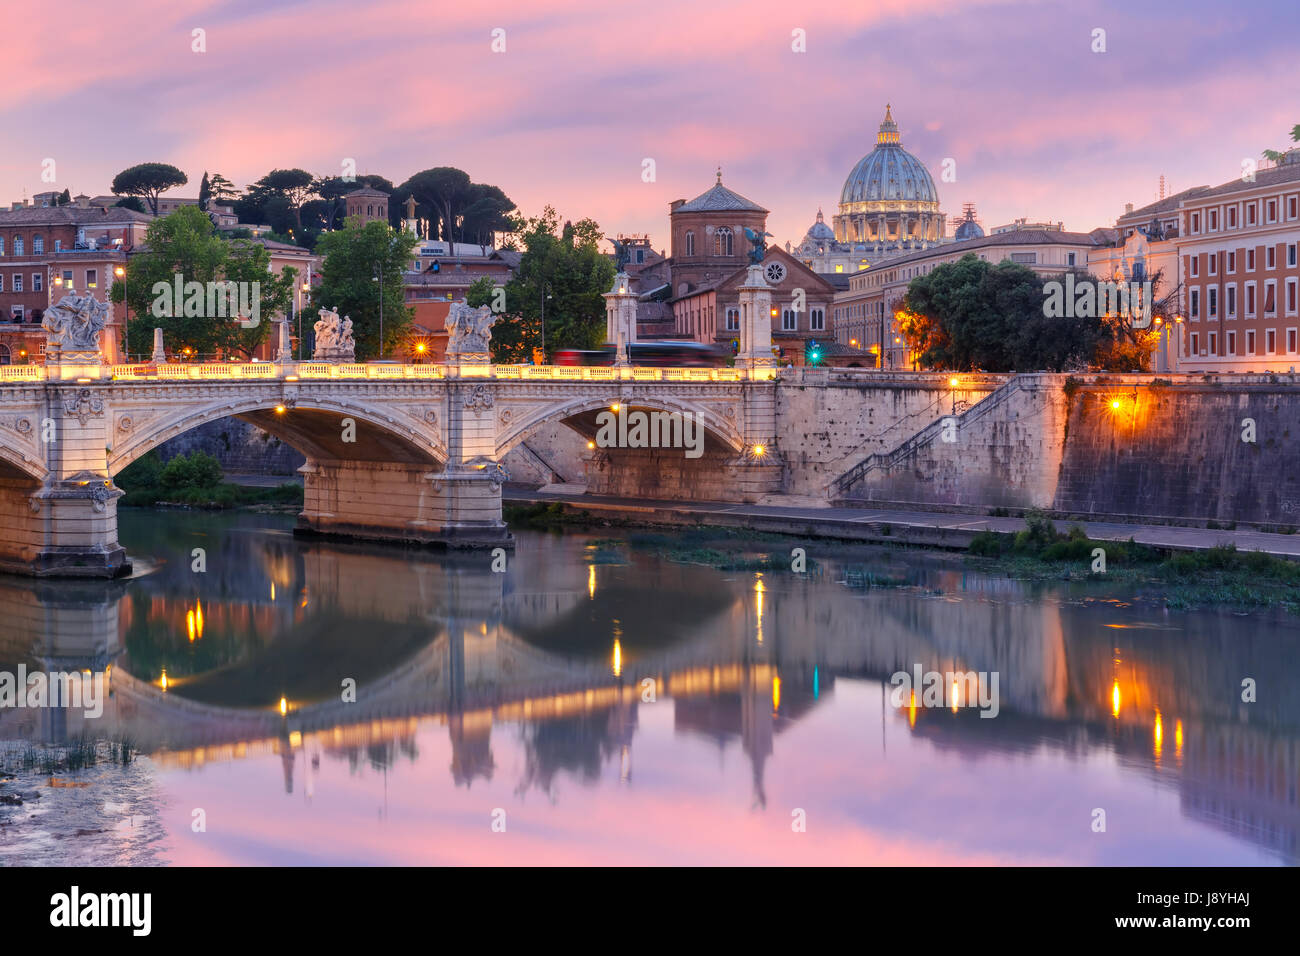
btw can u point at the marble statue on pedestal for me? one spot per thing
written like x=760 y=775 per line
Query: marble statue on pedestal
x=72 y=329
x=334 y=342
x=469 y=331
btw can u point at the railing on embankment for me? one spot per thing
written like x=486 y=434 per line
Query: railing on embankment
x=842 y=485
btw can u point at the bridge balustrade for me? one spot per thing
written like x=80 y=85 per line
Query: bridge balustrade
x=217 y=371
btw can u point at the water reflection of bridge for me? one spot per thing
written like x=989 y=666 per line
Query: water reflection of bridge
x=454 y=646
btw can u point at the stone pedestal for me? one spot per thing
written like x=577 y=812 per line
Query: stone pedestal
x=60 y=518
x=755 y=322
x=620 y=317
x=283 y=349
x=159 y=356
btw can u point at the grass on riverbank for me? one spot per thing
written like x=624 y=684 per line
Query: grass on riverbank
x=1221 y=575
x=72 y=756
x=194 y=480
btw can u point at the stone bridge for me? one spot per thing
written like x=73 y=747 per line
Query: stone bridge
x=397 y=452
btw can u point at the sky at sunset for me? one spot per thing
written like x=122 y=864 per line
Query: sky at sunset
x=1038 y=125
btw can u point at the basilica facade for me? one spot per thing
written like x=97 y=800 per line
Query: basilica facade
x=889 y=207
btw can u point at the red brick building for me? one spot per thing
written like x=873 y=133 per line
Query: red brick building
x=46 y=252
x=1238 y=251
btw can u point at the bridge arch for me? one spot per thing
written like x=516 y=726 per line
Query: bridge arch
x=579 y=414
x=17 y=463
x=313 y=426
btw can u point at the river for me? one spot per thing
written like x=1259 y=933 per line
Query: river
x=299 y=702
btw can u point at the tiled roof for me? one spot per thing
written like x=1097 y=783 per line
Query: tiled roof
x=70 y=216
x=1264 y=177
x=366 y=191
x=719 y=198
x=1168 y=204
x=1017 y=237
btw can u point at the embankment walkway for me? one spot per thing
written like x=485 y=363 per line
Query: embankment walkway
x=934 y=529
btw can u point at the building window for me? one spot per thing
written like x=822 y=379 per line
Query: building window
x=1214 y=220
x=1196 y=303
x=1271 y=207
x=18 y=282
x=1232 y=263
x=1290 y=254
x=2 y=245
x=733 y=320
x=1250 y=300
x=789 y=321
x=1290 y=296
x=1250 y=341
x=1291 y=208
x=1232 y=343
x=1232 y=217
x=1250 y=260
x=817 y=320
x=1270 y=303
x=690 y=243
x=722 y=240
x=1212 y=263
x=58 y=245
x=1270 y=341
x=1027 y=258
x=1291 y=340
x=1194 y=266
x=19 y=314
x=38 y=245
x=1069 y=258
x=1196 y=343
x=2 y=283
x=37 y=280
x=1230 y=301
x=92 y=278
x=1196 y=222
x=18 y=245
x=67 y=279
x=1252 y=213
x=1270 y=257
x=1214 y=343
x=1212 y=300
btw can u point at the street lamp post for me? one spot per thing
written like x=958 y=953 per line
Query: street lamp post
x=379 y=277
x=120 y=272
x=546 y=294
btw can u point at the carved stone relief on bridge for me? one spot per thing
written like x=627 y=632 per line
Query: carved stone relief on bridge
x=84 y=405
x=480 y=399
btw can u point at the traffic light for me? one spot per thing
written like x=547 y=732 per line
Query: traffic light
x=435 y=266
x=813 y=353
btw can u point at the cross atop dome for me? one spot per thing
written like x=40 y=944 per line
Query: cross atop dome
x=888 y=135
x=719 y=175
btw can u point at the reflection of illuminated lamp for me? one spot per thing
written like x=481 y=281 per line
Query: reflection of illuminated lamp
x=284 y=707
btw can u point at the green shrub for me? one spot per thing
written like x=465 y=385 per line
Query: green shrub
x=195 y=470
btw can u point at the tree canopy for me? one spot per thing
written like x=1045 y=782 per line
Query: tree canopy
x=353 y=257
x=148 y=181
x=461 y=210
x=972 y=314
x=186 y=244
x=563 y=273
